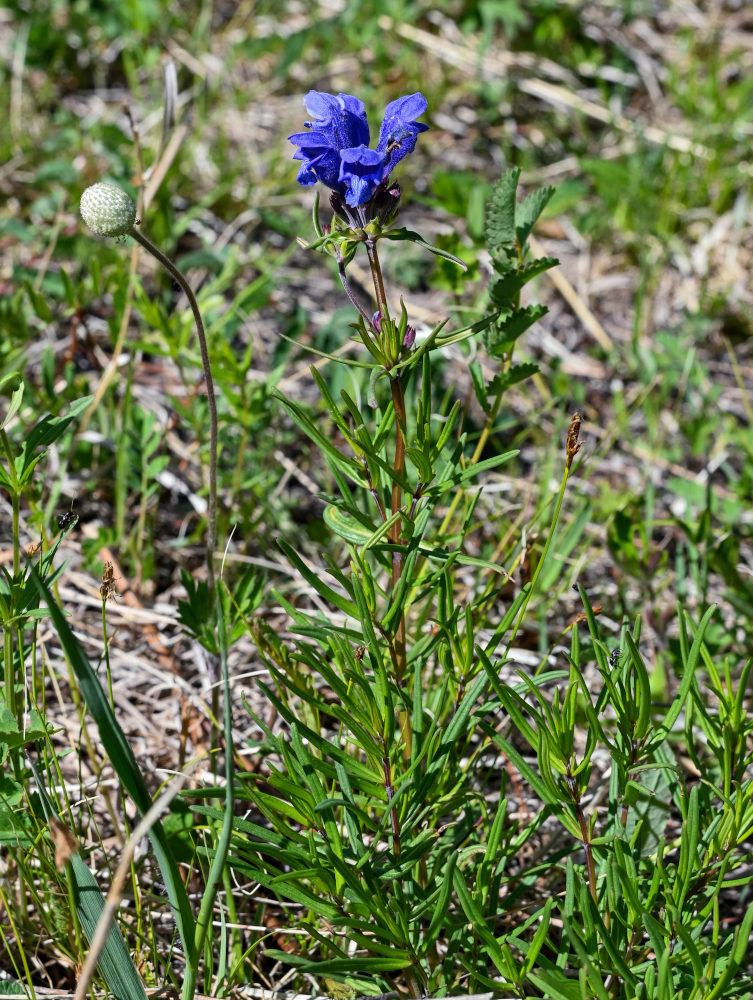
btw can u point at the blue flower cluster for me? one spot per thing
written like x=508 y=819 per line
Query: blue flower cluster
x=335 y=149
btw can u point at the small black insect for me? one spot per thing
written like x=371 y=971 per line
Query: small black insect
x=614 y=657
x=67 y=519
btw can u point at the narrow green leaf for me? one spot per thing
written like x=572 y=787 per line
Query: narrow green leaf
x=476 y=917
x=466 y=475
x=691 y=662
x=115 y=962
x=411 y=237
x=740 y=949
x=123 y=761
x=690 y=947
x=422 y=464
x=555 y=985
x=539 y=937
x=349 y=466
x=686 y=866
x=643 y=694
x=349 y=523
x=314 y=579
x=343 y=966
x=441 y=907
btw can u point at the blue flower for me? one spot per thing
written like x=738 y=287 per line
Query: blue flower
x=335 y=149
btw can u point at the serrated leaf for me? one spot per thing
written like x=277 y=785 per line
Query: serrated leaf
x=500 y=212
x=503 y=291
x=518 y=373
x=509 y=326
x=529 y=210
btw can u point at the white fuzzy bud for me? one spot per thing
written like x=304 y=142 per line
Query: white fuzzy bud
x=107 y=210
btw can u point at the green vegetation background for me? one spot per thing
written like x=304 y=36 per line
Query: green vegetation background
x=639 y=113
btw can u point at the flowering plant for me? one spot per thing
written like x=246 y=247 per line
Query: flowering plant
x=355 y=810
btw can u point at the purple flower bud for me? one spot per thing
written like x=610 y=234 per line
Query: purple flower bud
x=410 y=337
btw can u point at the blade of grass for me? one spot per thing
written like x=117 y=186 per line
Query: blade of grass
x=123 y=761
x=115 y=963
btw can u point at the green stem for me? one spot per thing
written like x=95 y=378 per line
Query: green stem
x=204 y=920
x=376 y=274
x=572 y=448
x=477 y=453
x=15 y=500
x=211 y=400
x=391 y=350
x=108 y=672
x=9 y=678
x=16 y=503
x=585 y=834
x=398 y=401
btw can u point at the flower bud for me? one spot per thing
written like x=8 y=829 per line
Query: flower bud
x=107 y=210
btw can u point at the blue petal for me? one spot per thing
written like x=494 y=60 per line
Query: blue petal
x=361 y=169
x=306 y=175
x=400 y=130
x=319 y=158
x=342 y=119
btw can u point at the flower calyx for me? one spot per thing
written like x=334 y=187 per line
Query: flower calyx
x=396 y=337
